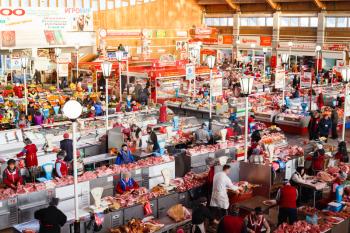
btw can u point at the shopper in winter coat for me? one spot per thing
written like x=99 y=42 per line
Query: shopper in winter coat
x=313 y=126
x=334 y=118
x=325 y=126
x=51 y=219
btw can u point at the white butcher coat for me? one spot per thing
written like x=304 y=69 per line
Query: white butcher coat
x=219 y=197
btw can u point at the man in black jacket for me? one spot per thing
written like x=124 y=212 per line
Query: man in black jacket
x=67 y=145
x=51 y=218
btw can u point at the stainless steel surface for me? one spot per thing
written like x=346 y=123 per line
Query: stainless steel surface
x=257 y=174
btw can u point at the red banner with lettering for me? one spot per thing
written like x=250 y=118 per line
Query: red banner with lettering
x=265 y=40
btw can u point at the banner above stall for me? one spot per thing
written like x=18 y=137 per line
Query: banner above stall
x=39 y=18
x=258 y=41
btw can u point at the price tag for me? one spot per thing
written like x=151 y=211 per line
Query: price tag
x=109 y=178
x=138 y=171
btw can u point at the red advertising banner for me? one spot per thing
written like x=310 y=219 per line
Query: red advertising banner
x=225 y=39
x=265 y=40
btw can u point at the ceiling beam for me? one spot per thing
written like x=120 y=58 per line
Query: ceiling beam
x=274 y=5
x=320 y=4
x=212 y=2
x=291 y=1
x=248 y=1
x=233 y=5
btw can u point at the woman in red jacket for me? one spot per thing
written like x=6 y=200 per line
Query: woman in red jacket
x=31 y=159
x=11 y=176
x=126 y=184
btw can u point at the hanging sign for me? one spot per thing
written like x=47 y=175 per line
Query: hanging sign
x=160 y=33
x=190 y=71
x=265 y=40
x=46 y=18
x=216 y=87
x=279 y=79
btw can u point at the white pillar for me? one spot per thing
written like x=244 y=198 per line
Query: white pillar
x=235 y=34
x=107 y=104
x=75 y=170
x=246 y=130
x=210 y=93
x=345 y=109
x=120 y=81
x=25 y=89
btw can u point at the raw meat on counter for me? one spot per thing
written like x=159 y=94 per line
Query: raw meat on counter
x=324 y=176
x=298 y=227
x=189 y=181
x=137 y=226
x=272 y=138
x=138 y=196
x=178 y=213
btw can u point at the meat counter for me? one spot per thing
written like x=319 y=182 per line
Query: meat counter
x=266 y=117
x=292 y=124
x=28 y=203
x=8 y=213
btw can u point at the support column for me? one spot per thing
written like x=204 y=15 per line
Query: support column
x=320 y=37
x=275 y=38
x=321 y=29
x=235 y=33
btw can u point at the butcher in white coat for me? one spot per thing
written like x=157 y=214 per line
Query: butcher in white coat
x=221 y=183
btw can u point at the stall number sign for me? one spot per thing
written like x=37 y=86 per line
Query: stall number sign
x=190 y=72
x=279 y=79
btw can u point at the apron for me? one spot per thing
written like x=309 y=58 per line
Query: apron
x=200 y=226
x=220 y=199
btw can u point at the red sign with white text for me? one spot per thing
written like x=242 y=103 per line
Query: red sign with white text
x=265 y=40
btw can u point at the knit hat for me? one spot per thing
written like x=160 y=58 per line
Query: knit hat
x=66 y=135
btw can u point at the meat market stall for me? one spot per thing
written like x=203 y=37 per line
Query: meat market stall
x=296 y=123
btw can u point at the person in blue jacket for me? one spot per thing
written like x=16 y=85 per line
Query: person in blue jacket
x=325 y=126
x=124 y=156
x=98 y=109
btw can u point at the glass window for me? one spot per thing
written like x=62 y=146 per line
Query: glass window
x=304 y=21
x=53 y=3
x=330 y=22
x=314 y=22
x=125 y=4
x=132 y=2
x=294 y=22
x=15 y=3
x=79 y=3
x=33 y=3
x=43 y=3
x=102 y=5
x=118 y=3
x=94 y=5
x=244 y=22
x=229 y=21
x=70 y=4
x=284 y=22
x=5 y=3
x=223 y=21
x=252 y=21
x=24 y=3
x=61 y=3
x=342 y=22
x=87 y=3
x=145 y=1
x=269 y=21
x=110 y=4
x=261 y=21
x=216 y=22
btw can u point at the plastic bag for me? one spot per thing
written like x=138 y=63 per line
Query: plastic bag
x=147 y=209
